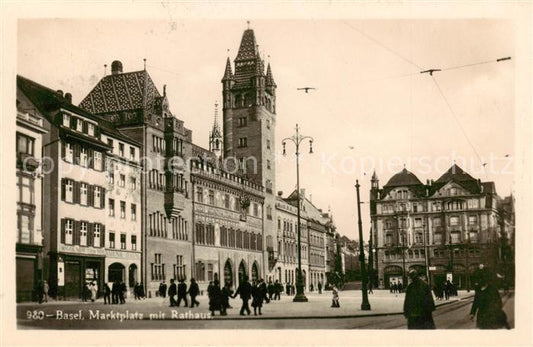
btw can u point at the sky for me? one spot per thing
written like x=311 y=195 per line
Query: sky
x=372 y=109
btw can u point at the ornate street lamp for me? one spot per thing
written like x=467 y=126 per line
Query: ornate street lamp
x=365 y=305
x=297 y=140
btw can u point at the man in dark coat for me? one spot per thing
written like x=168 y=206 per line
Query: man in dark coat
x=214 y=294
x=163 y=289
x=263 y=290
x=245 y=291
x=319 y=287
x=172 y=292
x=278 y=288
x=257 y=298
x=114 y=292
x=193 y=292
x=224 y=299
x=488 y=305
x=418 y=305
x=107 y=294
x=270 y=289
x=122 y=292
x=288 y=288
x=182 y=292
x=142 y=294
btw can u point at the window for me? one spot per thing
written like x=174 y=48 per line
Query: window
x=226 y=201
x=134 y=242
x=388 y=239
x=268 y=123
x=83 y=156
x=200 y=194
x=211 y=197
x=436 y=222
x=472 y=220
x=242 y=121
x=69 y=230
x=132 y=153
x=473 y=203
x=133 y=183
x=454 y=221
x=455 y=237
x=111 y=204
x=256 y=210
x=90 y=129
x=111 y=240
x=122 y=209
x=69 y=152
x=121 y=149
x=122 y=241
x=111 y=178
x=200 y=271
x=79 y=125
x=268 y=144
x=25 y=144
x=97 y=197
x=83 y=193
x=69 y=190
x=83 y=234
x=133 y=212
x=418 y=222
x=66 y=120
x=418 y=238
x=97 y=161
x=179 y=268
x=122 y=180
x=158 y=269
x=25 y=231
x=437 y=238
x=243 y=142
x=110 y=144
x=209 y=272
x=268 y=164
x=473 y=236
x=96 y=235
x=436 y=206
x=269 y=213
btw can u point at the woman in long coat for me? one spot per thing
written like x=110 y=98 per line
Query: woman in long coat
x=257 y=298
x=214 y=294
x=488 y=305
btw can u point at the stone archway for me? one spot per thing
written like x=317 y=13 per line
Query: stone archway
x=116 y=272
x=132 y=275
x=242 y=271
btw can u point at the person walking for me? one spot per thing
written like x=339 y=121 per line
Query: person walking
x=163 y=289
x=447 y=289
x=370 y=291
x=400 y=287
x=122 y=292
x=418 y=305
x=245 y=291
x=278 y=288
x=107 y=294
x=335 y=297
x=114 y=292
x=172 y=292
x=257 y=298
x=263 y=291
x=271 y=290
x=182 y=292
x=214 y=294
x=488 y=305
x=194 y=290
x=224 y=298
x=142 y=294
x=319 y=287
x=94 y=291
x=288 y=288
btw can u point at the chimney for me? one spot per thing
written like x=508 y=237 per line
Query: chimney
x=60 y=92
x=116 y=67
x=302 y=192
x=280 y=193
x=68 y=98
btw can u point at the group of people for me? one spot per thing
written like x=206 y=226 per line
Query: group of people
x=396 y=287
x=444 y=290
x=181 y=291
x=138 y=291
x=419 y=305
x=115 y=294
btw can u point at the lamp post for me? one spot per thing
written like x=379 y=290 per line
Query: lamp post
x=297 y=140
x=365 y=305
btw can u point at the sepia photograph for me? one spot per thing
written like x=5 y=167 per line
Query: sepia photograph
x=284 y=171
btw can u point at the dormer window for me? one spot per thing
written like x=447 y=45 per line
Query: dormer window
x=90 y=129
x=79 y=125
x=66 y=120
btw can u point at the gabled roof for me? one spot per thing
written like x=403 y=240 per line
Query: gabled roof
x=121 y=92
x=459 y=176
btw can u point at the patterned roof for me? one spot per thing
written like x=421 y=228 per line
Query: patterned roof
x=269 y=77
x=228 y=74
x=248 y=48
x=403 y=178
x=121 y=92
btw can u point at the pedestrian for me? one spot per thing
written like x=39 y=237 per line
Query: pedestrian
x=319 y=287
x=172 y=292
x=107 y=294
x=114 y=292
x=182 y=292
x=400 y=287
x=447 y=289
x=278 y=288
x=271 y=289
x=94 y=291
x=245 y=291
x=163 y=289
x=263 y=290
x=257 y=298
x=122 y=292
x=293 y=291
x=194 y=290
x=288 y=288
x=224 y=298
x=369 y=287
x=335 y=297
x=488 y=305
x=142 y=294
x=418 y=304
x=86 y=291
x=214 y=294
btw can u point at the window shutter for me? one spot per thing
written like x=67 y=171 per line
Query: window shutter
x=90 y=237
x=102 y=235
x=63 y=189
x=102 y=197
x=76 y=236
x=90 y=158
x=90 y=195
x=76 y=192
x=63 y=221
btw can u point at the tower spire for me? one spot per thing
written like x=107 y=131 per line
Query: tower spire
x=269 y=78
x=228 y=74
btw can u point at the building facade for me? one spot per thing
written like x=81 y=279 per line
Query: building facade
x=444 y=228
x=29 y=261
